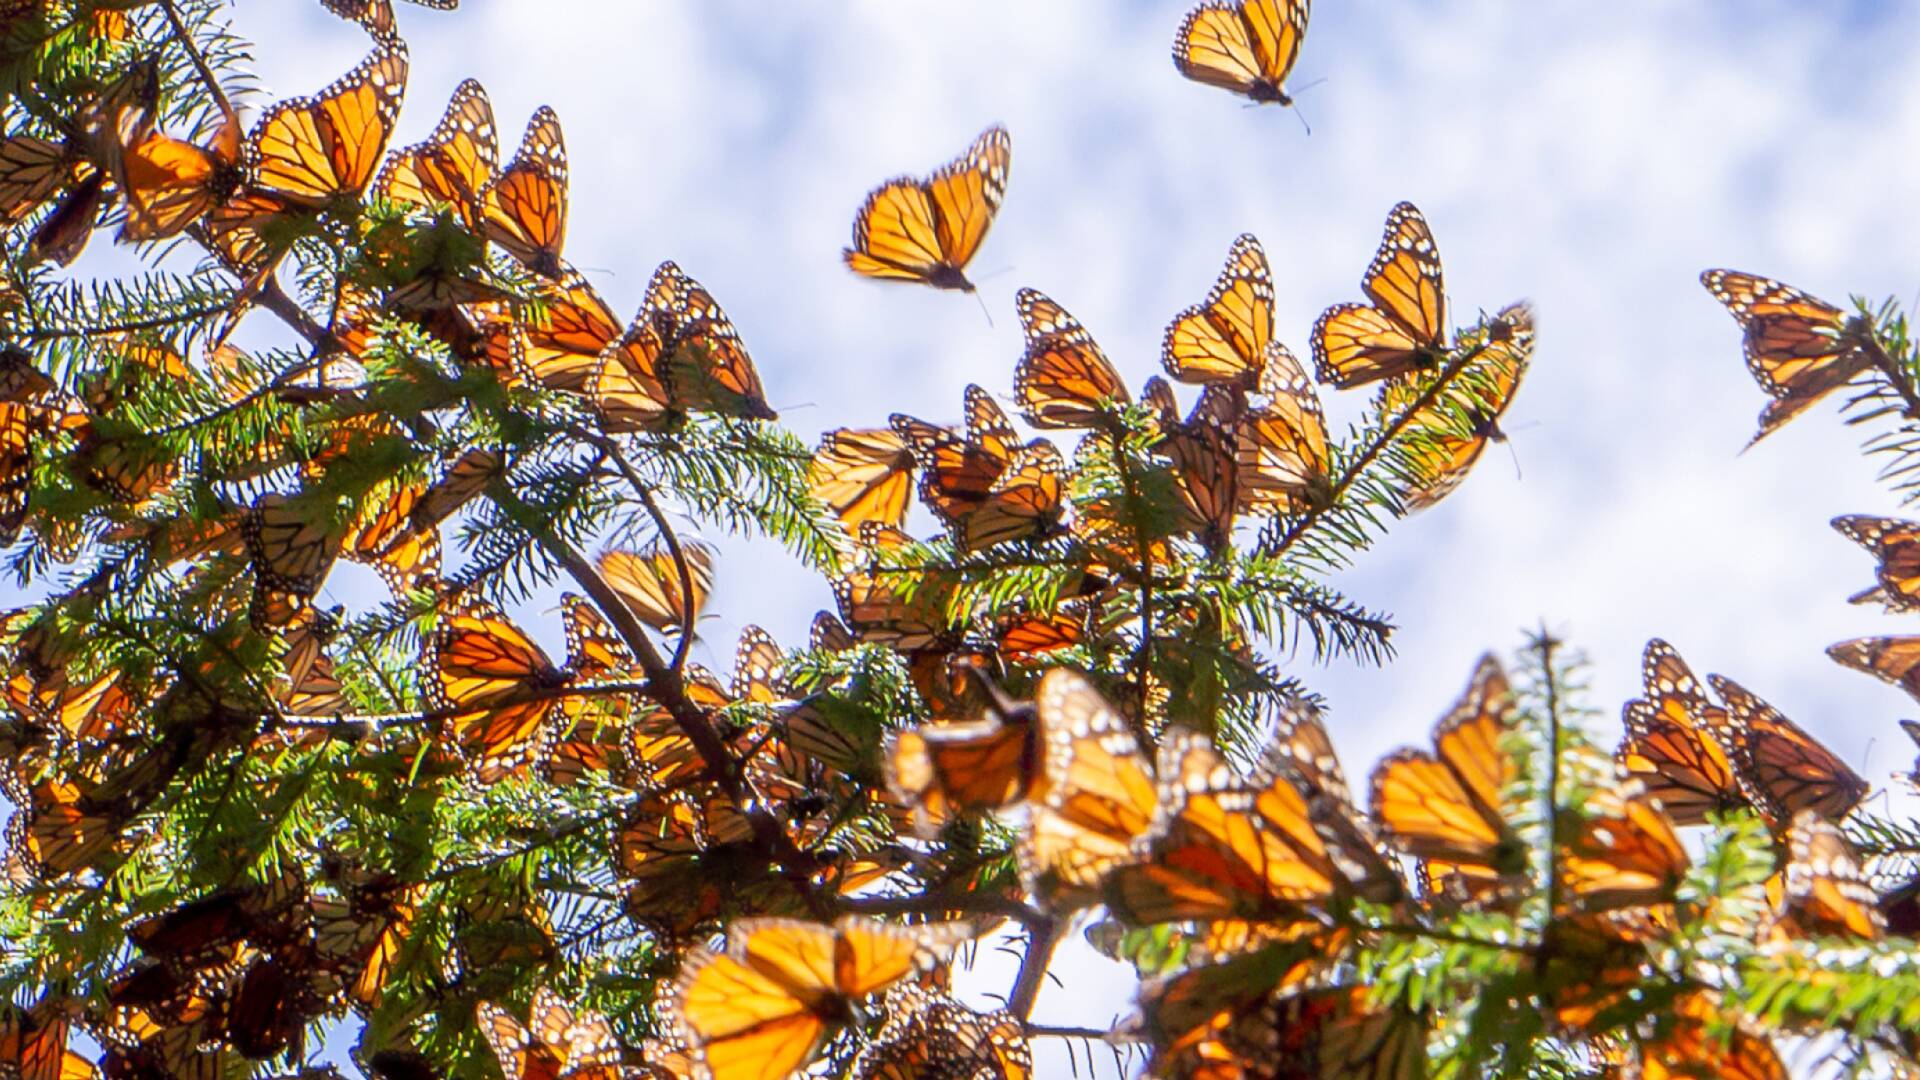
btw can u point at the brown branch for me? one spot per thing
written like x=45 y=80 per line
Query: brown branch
x=1105 y=1035
x=941 y=903
x=1895 y=374
x=1044 y=937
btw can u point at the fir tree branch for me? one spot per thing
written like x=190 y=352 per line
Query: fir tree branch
x=1043 y=937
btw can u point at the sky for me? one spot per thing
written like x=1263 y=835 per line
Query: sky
x=1591 y=157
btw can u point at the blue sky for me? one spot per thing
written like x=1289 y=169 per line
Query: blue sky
x=1591 y=157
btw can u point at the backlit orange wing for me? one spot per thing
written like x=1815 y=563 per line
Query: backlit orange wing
x=927 y=231
x=526 y=205
x=1064 y=380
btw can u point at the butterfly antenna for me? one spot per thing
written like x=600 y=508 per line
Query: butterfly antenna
x=983 y=306
x=1301 y=114
x=1515 y=455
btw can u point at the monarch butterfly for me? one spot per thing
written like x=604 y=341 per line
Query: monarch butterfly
x=757 y=665
x=561 y=1043
x=1445 y=451
x=565 y=342
x=1025 y=501
x=1623 y=852
x=362 y=934
x=1099 y=794
x=1446 y=805
x=862 y=474
x=829 y=634
x=1405 y=327
x=663 y=589
x=59 y=832
x=1163 y=409
x=491 y=680
x=1064 y=380
x=885 y=604
x=660 y=850
x=1303 y=752
x=1679 y=743
x=170 y=183
x=1896 y=544
x=32 y=169
x=764 y=1007
x=310 y=689
x=1196 y=1016
x=929 y=1036
x=377 y=15
x=943 y=771
x=627 y=386
x=1246 y=46
x=33 y=1043
x=928 y=230
x=1280 y=451
x=593 y=649
x=291 y=555
x=1224 y=339
x=18 y=426
x=454 y=165
x=1787 y=769
x=1825 y=892
x=1204 y=452
x=1894 y=660
x=1224 y=846
x=707 y=367
x=958 y=472
x=1798 y=348
x=1697 y=1042
x=309 y=151
x=1023 y=637
x=526 y=205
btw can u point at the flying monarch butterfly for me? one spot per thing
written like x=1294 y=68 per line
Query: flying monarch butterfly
x=1280 y=448
x=1205 y=469
x=454 y=165
x=1404 y=329
x=655 y=587
x=1445 y=451
x=1896 y=544
x=565 y=341
x=1224 y=846
x=1445 y=806
x=1224 y=339
x=1798 y=348
x=1064 y=380
x=1246 y=46
x=862 y=474
x=291 y=555
x=1787 y=769
x=898 y=605
x=1894 y=660
x=561 y=1043
x=943 y=771
x=1026 y=500
x=1099 y=792
x=493 y=682
x=1825 y=891
x=928 y=230
x=706 y=365
x=1680 y=743
x=763 y=1008
x=526 y=205
x=1623 y=852
x=1696 y=1042
x=929 y=1036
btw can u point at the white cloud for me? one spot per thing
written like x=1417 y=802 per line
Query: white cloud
x=1591 y=157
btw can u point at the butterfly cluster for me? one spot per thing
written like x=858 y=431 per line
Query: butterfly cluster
x=1062 y=691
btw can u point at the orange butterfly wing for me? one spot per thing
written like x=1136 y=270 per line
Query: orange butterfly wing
x=1064 y=380
x=928 y=231
x=1225 y=338
x=312 y=150
x=526 y=205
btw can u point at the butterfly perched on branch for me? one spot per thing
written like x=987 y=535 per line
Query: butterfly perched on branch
x=1403 y=329
x=1798 y=347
